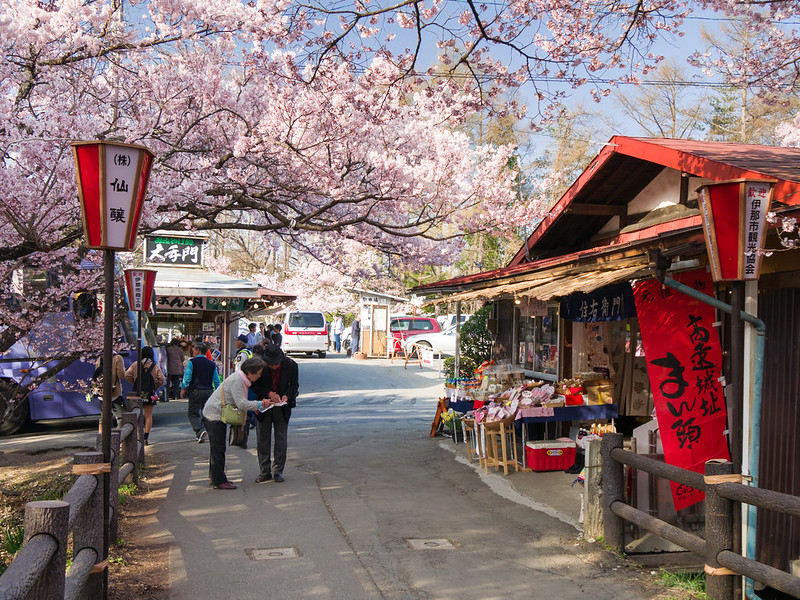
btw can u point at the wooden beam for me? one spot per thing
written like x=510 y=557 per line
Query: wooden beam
x=596 y=209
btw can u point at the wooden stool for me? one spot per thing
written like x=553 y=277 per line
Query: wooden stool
x=503 y=453
x=470 y=431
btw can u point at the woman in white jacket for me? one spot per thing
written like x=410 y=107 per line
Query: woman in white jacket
x=235 y=389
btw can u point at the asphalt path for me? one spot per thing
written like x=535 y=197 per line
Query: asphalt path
x=372 y=506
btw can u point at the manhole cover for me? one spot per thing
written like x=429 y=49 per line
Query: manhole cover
x=272 y=553
x=431 y=544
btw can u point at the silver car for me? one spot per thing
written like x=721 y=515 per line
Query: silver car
x=442 y=342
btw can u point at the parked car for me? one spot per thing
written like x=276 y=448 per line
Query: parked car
x=403 y=327
x=447 y=320
x=305 y=331
x=441 y=342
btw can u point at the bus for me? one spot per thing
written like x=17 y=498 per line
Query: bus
x=42 y=378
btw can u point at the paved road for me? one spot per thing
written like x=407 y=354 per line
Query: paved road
x=365 y=486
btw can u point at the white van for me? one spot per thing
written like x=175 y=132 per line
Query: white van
x=304 y=331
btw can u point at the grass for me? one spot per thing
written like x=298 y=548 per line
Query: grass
x=692 y=582
x=126 y=490
x=10 y=542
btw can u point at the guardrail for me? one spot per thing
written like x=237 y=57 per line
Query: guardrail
x=722 y=491
x=38 y=571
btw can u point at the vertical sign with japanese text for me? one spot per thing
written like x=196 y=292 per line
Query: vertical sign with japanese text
x=684 y=364
x=121 y=165
x=756 y=199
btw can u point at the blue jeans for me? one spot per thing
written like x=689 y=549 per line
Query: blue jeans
x=337 y=342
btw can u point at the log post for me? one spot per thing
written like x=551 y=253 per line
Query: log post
x=593 y=492
x=613 y=491
x=113 y=487
x=130 y=451
x=719 y=532
x=137 y=403
x=49 y=517
x=87 y=530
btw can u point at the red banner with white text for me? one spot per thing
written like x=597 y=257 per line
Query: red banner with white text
x=684 y=364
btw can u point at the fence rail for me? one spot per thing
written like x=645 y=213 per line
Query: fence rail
x=38 y=571
x=722 y=564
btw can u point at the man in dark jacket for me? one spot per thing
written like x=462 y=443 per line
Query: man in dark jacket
x=199 y=379
x=279 y=384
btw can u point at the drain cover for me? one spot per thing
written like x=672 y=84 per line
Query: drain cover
x=272 y=553
x=431 y=544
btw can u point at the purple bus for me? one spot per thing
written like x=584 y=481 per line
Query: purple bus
x=63 y=394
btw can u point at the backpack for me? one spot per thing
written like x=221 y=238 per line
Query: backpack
x=148 y=382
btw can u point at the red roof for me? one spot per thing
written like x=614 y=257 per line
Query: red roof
x=626 y=165
x=618 y=174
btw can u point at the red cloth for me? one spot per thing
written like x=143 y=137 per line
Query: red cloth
x=275 y=378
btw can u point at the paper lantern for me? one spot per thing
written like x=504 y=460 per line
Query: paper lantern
x=140 y=283
x=112 y=182
x=734 y=220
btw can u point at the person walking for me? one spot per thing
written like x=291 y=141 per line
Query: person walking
x=338 y=329
x=152 y=378
x=234 y=389
x=118 y=403
x=355 y=335
x=175 y=356
x=200 y=378
x=279 y=384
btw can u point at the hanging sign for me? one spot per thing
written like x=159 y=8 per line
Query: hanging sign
x=173 y=250
x=139 y=284
x=734 y=220
x=608 y=303
x=684 y=364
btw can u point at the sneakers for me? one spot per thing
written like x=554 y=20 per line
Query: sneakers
x=279 y=478
x=225 y=485
x=202 y=437
x=264 y=477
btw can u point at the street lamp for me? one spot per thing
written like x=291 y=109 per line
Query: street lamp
x=139 y=284
x=112 y=181
x=734 y=223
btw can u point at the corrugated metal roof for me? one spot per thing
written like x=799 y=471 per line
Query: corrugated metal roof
x=177 y=281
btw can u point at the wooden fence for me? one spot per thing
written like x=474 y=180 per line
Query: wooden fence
x=722 y=492
x=38 y=571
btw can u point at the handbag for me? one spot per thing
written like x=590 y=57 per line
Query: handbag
x=231 y=415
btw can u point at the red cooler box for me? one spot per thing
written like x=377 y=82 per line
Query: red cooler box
x=550 y=456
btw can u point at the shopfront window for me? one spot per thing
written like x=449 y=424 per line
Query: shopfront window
x=538 y=343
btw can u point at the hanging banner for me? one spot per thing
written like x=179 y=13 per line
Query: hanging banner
x=684 y=364
x=609 y=303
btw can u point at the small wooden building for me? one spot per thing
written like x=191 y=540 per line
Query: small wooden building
x=634 y=202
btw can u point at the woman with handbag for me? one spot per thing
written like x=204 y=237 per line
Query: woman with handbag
x=228 y=405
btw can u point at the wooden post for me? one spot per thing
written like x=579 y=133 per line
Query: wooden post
x=86 y=530
x=113 y=489
x=719 y=532
x=49 y=517
x=137 y=403
x=130 y=451
x=613 y=491
x=593 y=493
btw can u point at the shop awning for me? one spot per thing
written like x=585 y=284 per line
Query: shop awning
x=557 y=282
x=199 y=283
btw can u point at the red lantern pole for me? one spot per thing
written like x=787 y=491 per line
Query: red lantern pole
x=112 y=182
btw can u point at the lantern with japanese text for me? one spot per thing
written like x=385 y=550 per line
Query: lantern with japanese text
x=140 y=284
x=734 y=220
x=112 y=182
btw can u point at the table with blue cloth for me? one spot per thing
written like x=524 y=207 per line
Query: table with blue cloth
x=588 y=412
